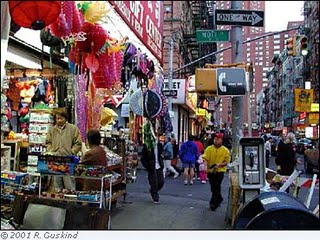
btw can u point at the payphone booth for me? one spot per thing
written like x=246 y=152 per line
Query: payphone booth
x=251 y=167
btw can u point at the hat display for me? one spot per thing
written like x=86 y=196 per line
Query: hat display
x=107 y=116
x=152 y=103
x=136 y=102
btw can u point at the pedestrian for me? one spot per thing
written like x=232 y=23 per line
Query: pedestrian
x=202 y=170
x=280 y=151
x=152 y=160
x=63 y=139
x=188 y=154
x=168 y=156
x=267 y=148
x=174 y=161
x=216 y=157
x=200 y=151
x=95 y=156
x=288 y=161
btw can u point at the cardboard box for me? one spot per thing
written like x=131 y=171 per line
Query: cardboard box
x=59 y=168
x=15 y=177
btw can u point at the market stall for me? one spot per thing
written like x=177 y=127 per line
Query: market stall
x=100 y=66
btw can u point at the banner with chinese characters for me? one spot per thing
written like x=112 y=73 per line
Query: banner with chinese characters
x=303 y=98
x=145 y=18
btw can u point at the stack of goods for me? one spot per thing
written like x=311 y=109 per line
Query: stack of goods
x=88 y=196
x=60 y=165
x=14 y=183
x=112 y=158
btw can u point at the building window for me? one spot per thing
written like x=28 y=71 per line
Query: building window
x=276 y=47
x=276 y=36
x=276 y=42
x=276 y=52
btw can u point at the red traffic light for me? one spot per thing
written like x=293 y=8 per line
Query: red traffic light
x=291 y=46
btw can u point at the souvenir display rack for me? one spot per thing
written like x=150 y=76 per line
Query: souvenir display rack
x=40 y=122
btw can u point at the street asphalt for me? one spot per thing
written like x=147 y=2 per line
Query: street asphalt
x=182 y=207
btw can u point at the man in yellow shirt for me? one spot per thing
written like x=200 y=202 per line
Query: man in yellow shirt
x=216 y=158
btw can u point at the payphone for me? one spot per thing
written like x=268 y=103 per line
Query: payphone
x=252 y=166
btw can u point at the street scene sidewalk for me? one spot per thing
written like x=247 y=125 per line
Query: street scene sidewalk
x=181 y=207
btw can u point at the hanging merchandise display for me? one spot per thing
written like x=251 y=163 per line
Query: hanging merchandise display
x=27 y=89
x=80 y=83
x=93 y=11
x=68 y=22
x=34 y=14
x=149 y=138
x=13 y=94
x=136 y=102
x=152 y=104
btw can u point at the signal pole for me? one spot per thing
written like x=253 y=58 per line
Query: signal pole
x=237 y=102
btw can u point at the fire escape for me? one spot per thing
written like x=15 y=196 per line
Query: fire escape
x=200 y=16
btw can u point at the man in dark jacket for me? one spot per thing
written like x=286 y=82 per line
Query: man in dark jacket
x=188 y=154
x=154 y=165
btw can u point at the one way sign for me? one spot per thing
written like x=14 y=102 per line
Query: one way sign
x=239 y=17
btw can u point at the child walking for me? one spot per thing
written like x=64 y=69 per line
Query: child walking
x=202 y=170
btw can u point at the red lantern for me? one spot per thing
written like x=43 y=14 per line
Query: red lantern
x=34 y=14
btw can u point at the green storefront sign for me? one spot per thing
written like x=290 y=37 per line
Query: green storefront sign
x=206 y=36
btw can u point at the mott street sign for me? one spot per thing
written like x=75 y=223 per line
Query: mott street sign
x=207 y=36
x=239 y=17
x=231 y=81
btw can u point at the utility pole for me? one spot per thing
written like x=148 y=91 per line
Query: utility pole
x=237 y=102
x=170 y=73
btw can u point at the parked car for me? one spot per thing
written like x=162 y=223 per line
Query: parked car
x=311 y=161
x=303 y=144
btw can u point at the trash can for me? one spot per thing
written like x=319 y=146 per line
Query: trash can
x=275 y=210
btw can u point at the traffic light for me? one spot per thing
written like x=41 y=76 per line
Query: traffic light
x=291 y=46
x=304 y=45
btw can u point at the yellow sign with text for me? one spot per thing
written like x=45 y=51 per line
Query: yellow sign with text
x=315 y=107
x=313 y=118
x=201 y=112
x=303 y=99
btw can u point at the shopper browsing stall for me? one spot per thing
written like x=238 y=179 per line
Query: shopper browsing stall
x=96 y=156
x=63 y=139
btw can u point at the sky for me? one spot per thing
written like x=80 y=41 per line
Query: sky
x=279 y=13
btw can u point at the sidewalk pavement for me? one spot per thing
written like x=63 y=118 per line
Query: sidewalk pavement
x=181 y=207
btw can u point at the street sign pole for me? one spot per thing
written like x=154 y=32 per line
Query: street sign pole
x=237 y=102
x=170 y=73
